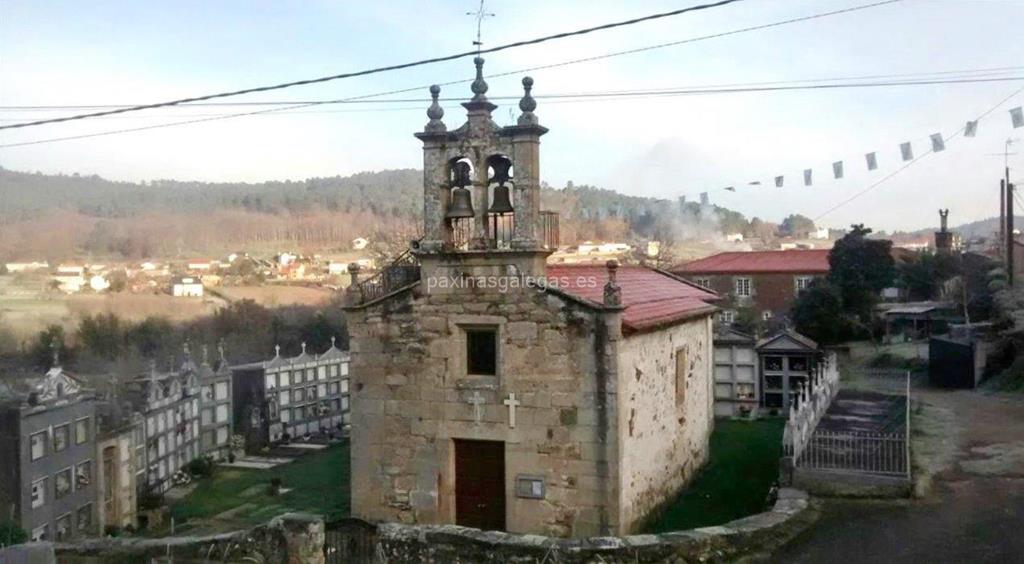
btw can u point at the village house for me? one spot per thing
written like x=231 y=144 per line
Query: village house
x=187 y=287
x=767 y=282
x=31 y=266
x=493 y=391
x=286 y=398
x=48 y=449
x=70 y=278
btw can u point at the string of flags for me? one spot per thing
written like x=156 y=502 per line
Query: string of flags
x=937 y=141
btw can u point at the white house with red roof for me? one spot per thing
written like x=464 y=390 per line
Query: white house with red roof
x=493 y=391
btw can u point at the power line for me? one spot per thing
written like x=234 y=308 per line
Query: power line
x=556 y=98
x=378 y=70
x=916 y=160
x=612 y=94
x=454 y=82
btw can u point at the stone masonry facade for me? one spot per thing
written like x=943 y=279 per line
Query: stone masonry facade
x=411 y=397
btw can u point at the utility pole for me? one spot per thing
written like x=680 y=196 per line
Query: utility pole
x=1009 y=231
x=1006 y=239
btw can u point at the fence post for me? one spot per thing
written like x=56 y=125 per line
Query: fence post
x=906 y=431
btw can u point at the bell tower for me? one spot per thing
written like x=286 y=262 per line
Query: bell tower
x=481 y=187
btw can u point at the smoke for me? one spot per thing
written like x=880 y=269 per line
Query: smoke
x=676 y=172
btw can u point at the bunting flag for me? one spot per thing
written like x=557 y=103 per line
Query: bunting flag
x=906 y=151
x=937 y=141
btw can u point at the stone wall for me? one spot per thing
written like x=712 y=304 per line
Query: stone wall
x=292 y=538
x=665 y=417
x=410 y=398
x=754 y=537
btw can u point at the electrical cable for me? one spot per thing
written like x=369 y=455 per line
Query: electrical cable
x=378 y=70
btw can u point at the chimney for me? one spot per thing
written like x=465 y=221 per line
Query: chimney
x=612 y=291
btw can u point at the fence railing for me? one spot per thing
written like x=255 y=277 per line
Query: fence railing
x=402 y=272
x=870 y=453
x=810 y=403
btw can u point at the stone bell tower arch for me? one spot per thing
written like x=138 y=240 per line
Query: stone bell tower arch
x=464 y=167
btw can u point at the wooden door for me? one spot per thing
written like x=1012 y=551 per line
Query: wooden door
x=480 y=484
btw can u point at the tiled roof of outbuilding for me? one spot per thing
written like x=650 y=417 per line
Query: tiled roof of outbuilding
x=650 y=297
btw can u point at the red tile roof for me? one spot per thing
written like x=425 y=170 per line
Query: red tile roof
x=813 y=261
x=650 y=298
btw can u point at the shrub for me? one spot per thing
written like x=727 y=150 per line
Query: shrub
x=149 y=499
x=275 y=486
x=200 y=467
x=11 y=534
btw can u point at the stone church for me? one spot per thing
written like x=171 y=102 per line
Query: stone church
x=494 y=391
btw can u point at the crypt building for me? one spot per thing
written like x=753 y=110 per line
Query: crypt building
x=494 y=391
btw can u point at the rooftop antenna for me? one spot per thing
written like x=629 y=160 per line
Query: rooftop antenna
x=479 y=14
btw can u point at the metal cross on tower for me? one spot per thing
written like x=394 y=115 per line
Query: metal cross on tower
x=479 y=14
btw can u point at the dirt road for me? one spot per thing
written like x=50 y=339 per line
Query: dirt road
x=974 y=511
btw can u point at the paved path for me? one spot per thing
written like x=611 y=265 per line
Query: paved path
x=974 y=513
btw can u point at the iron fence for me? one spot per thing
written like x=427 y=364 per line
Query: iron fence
x=869 y=453
x=402 y=272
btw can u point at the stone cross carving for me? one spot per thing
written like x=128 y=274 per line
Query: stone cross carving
x=477 y=400
x=512 y=403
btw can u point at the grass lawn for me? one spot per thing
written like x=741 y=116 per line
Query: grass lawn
x=319 y=483
x=743 y=465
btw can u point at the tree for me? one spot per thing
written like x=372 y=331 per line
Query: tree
x=924 y=275
x=818 y=313
x=796 y=225
x=102 y=335
x=860 y=268
x=49 y=340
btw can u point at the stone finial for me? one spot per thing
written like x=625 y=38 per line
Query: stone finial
x=612 y=291
x=56 y=353
x=479 y=86
x=303 y=347
x=435 y=112
x=527 y=104
x=206 y=355
x=332 y=341
x=220 y=351
x=277 y=351
x=188 y=353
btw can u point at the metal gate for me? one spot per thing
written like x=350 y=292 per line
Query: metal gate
x=349 y=541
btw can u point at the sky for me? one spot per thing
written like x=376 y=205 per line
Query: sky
x=64 y=53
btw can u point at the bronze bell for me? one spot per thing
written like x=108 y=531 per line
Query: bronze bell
x=461 y=205
x=501 y=204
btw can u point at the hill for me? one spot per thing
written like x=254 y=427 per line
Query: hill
x=55 y=216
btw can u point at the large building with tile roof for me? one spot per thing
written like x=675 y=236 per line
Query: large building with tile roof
x=494 y=391
x=763 y=282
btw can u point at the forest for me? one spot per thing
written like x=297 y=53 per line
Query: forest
x=54 y=216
